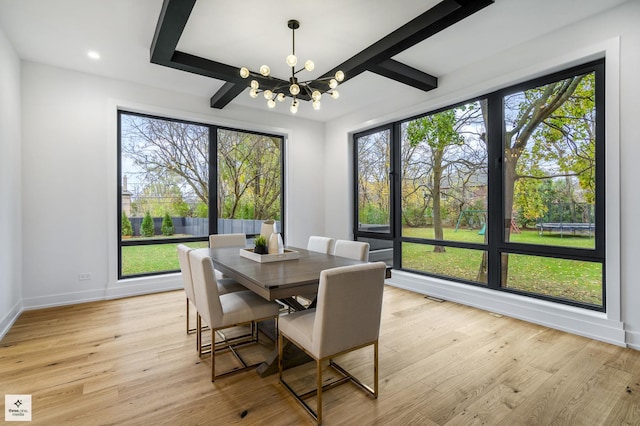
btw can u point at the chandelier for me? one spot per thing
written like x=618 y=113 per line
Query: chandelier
x=275 y=88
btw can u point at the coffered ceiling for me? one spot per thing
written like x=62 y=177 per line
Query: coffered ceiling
x=252 y=32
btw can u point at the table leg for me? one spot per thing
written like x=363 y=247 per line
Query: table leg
x=294 y=355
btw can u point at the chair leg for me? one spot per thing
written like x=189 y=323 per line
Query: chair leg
x=199 y=334
x=213 y=356
x=319 y=393
x=188 y=329
x=280 y=353
x=375 y=369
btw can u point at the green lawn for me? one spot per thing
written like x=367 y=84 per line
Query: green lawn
x=152 y=258
x=568 y=279
x=526 y=236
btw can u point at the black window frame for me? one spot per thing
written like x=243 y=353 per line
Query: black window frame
x=496 y=244
x=213 y=187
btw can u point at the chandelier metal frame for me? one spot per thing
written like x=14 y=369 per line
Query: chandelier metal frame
x=308 y=89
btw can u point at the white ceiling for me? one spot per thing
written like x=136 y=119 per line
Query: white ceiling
x=251 y=33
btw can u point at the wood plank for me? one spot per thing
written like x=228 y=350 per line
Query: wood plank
x=130 y=362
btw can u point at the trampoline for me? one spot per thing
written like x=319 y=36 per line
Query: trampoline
x=563 y=227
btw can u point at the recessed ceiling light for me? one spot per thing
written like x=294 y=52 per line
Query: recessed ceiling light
x=93 y=54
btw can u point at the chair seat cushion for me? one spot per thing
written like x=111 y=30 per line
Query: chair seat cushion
x=298 y=326
x=245 y=306
x=228 y=285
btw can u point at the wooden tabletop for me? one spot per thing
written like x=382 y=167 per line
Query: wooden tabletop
x=280 y=279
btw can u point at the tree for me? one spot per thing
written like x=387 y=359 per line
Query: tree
x=125 y=226
x=552 y=124
x=165 y=149
x=437 y=151
x=147 y=228
x=167 y=225
x=249 y=171
x=249 y=166
x=162 y=196
x=373 y=178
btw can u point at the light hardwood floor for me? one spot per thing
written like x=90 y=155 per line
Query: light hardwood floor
x=130 y=362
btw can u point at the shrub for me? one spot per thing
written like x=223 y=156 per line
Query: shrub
x=147 y=228
x=126 y=228
x=167 y=225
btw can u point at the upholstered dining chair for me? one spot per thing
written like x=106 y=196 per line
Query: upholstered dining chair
x=353 y=249
x=227 y=240
x=336 y=326
x=225 y=285
x=223 y=311
x=320 y=244
x=185 y=269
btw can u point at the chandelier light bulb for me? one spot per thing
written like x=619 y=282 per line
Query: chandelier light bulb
x=309 y=65
x=306 y=89
x=292 y=60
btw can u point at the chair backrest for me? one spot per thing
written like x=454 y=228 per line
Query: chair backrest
x=352 y=249
x=228 y=240
x=348 y=308
x=185 y=269
x=320 y=244
x=205 y=287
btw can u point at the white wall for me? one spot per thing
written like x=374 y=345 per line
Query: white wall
x=58 y=174
x=10 y=186
x=69 y=178
x=615 y=35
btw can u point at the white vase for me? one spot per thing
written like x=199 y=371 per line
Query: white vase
x=268 y=227
x=276 y=246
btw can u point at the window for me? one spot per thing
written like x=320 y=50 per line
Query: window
x=180 y=181
x=374 y=189
x=505 y=191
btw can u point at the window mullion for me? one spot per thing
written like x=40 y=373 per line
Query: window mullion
x=495 y=210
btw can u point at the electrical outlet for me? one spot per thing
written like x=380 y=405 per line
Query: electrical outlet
x=84 y=277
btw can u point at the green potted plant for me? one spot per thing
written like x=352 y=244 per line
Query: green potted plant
x=260 y=245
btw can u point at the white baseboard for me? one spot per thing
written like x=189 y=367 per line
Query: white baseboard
x=123 y=288
x=633 y=340
x=10 y=318
x=583 y=322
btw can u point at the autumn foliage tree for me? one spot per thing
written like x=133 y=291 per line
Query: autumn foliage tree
x=173 y=157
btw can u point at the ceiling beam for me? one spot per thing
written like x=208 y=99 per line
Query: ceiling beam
x=226 y=94
x=173 y=18
x=376 y=58
x=405 y=74
x=434 y=20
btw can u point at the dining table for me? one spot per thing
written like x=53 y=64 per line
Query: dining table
x=280 y=280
